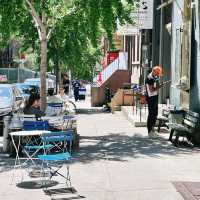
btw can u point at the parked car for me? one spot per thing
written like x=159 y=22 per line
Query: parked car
x=26 y=89
x=36 y=82
x=11 y=100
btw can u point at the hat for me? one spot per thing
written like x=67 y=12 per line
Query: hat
x=157 y=70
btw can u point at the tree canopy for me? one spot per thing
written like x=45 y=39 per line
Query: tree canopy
x=70 y=23
x=63 y=32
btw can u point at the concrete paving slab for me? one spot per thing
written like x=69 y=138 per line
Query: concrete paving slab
x=116 y=161
x=148 y=195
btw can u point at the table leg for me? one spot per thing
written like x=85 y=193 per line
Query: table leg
x=17 y=158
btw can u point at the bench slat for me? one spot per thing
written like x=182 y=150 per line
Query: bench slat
x=189 y=123
x=191 y=118
x=194 y=114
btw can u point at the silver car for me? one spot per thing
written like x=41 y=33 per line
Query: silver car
x=10 y=99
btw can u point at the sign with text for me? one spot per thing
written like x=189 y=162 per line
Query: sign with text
x=142 y=17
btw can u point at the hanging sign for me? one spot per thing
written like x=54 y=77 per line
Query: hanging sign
x=142 y=17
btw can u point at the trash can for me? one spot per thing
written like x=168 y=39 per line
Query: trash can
x=82 y=93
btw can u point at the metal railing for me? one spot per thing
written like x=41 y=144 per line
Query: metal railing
x=121 y=63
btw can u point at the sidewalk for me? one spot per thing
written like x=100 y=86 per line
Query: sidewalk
x=138 y=115
x=116 y=161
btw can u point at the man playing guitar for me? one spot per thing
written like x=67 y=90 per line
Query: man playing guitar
x=152 y=86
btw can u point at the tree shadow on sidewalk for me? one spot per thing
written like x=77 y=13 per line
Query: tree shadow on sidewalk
x=121 y=147
x=90 y=111
x=115 y=147
x=6 y=163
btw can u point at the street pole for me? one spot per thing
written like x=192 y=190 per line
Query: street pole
x=161 y=46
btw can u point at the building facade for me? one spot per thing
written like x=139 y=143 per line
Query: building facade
x=190 y=98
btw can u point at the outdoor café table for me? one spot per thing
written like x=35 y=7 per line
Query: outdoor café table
x=27 y=135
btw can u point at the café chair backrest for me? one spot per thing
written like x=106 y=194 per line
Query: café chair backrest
x=59 y=136
x=55 y=105
x=54 y=109
x=35 y=125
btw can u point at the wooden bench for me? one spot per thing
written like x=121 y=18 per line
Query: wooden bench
x=186 y=129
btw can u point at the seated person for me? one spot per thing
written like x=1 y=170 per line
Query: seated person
x=65 y=99
x=33 y=106
x=62 y=95
x=53 y=99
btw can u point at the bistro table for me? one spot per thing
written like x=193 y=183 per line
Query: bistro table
x=27 y=135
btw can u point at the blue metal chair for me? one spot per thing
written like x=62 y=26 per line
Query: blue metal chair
x=34 y=145
x=35 y=125
x=67 y=120
x=68 y=117
x=54 y=109
x=58 y=154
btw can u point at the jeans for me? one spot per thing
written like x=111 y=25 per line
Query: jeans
x=152 y=112
x=76 y=94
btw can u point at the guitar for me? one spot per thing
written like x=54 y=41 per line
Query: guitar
x=165 y=83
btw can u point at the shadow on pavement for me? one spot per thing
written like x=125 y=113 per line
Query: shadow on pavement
x=37 y=184
x=115 y=147
x=6 y=163
x=91 y=110
x=120 y=147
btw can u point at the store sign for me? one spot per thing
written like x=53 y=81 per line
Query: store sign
x=142 y=16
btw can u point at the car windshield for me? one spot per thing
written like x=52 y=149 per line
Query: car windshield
x=23 y=88
x=49 y=83
x=5 y=96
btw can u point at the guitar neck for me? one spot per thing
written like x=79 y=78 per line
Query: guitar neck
x=166 y=82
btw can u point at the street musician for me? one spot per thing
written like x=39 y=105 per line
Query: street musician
x=152 y=85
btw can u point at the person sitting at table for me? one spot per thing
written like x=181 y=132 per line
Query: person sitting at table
x=62 y=95
x=65 y=99
x=51 y=100
x=33 y=106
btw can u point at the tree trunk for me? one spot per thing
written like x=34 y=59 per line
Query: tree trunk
x=43 y=69
x=40 y=23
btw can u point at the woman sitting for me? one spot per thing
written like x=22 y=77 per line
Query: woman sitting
x=68 y=106
x=63 y=97
x=33 y=106
x=54 y=104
